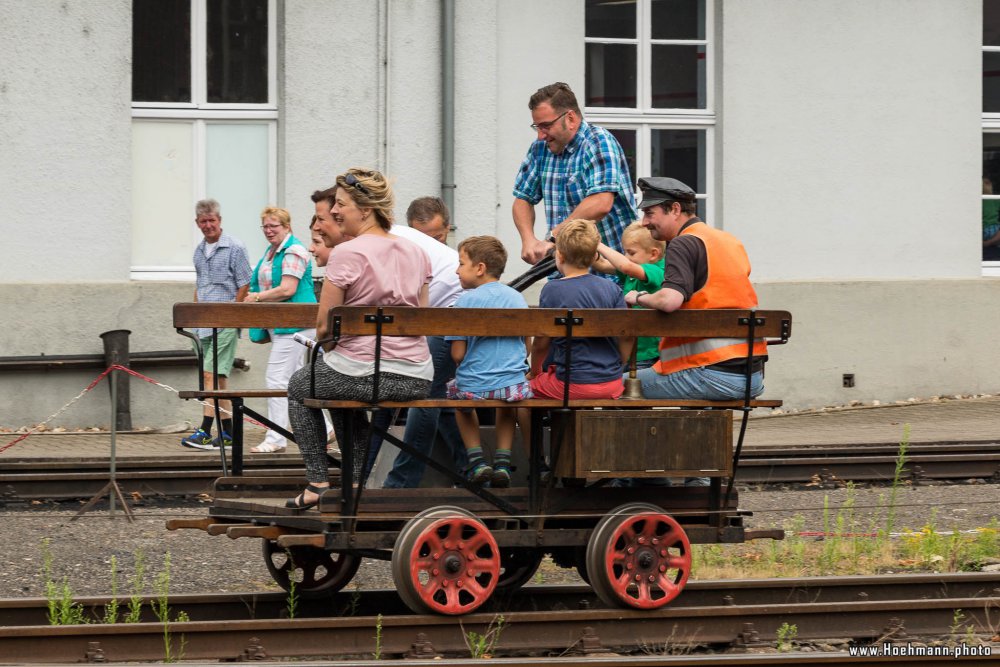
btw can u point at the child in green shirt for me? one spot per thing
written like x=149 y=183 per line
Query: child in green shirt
x=639 y=268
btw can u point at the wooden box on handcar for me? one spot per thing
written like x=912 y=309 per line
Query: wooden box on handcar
x=643 y=443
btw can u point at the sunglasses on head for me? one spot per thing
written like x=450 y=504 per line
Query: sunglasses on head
x=353 y=181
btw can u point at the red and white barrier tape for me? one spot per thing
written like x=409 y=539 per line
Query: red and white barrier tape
x=97 y=380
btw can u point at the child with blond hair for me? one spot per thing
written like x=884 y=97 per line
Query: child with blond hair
x=639 y=267
x=488 y=367
x=596 y=363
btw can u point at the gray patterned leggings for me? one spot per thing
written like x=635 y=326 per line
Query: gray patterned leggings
x=308 y=424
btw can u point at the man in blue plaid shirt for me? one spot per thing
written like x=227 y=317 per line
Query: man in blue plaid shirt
x=579 y=170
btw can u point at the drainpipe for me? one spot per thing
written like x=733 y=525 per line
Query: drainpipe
x=448 y=106
x=382 y=76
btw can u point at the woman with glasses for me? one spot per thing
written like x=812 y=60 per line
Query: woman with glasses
x=284 y=273
x=373 y=268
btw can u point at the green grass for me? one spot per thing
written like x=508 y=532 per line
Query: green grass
x=848 y=546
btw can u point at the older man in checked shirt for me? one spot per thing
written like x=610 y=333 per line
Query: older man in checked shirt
x=222 y=273
x=578 y=169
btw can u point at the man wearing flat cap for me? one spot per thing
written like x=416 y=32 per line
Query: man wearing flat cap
x=578 y=169
x=703 y=268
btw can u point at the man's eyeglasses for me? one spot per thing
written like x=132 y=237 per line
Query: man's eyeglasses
x=353 y=181
x=547 y=125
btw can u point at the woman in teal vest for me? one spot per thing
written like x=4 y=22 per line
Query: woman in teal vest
x=284 y=273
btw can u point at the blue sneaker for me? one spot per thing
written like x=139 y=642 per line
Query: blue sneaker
x=227 y=441
x=480 y=473
x=501 y=476
x=199 y=440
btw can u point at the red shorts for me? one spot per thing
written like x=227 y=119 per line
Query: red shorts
x=547 y=385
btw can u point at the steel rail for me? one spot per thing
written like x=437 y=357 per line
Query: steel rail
x=61 y=479
x=523 y=631
x=632 y=660
x=64 y=479
x=250 y=605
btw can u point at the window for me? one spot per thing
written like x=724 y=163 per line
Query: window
x=991 y=138
x=649 y=81
x=204 y=124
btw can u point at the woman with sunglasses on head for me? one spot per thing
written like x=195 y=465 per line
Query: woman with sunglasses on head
x=284 y=273
x=374 y=268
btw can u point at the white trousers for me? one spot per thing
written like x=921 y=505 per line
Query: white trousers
x=287 y=356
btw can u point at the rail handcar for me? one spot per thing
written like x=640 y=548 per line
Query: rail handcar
x=453 y=548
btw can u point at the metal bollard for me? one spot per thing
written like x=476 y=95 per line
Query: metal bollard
x=116 y=352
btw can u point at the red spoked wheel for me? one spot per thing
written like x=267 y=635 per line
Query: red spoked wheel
x=445 y=561
x=638 y=556
x=316 y=572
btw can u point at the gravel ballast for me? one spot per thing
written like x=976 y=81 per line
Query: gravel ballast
x=81 y=550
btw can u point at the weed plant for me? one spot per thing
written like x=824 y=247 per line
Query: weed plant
x=786 y=635
x=62 y=610
x=897 y=477
x=378 y=638
x=292 y=599
x=161 y=609
x=850 y=546
x=482 y=645
x=111 y=609
x=137 y=582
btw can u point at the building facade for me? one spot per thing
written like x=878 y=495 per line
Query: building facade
x=838 y=139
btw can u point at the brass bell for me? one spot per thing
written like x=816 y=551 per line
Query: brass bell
x=633 y=386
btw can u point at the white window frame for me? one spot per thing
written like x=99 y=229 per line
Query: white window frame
x=991 y=125
x=644 y=59
x=198 y=146
x=643 y=119
x=201 y=113
x=199 y=71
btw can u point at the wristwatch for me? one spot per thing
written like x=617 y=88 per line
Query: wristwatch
x=638 y=294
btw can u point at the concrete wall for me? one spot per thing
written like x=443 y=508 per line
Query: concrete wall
x=478 y=114
x=334 y=90
x=65 y=136
x=142 y=308
x=850 y=136
x=901 y=339
x=322 y=129
x=538 y=44
x=848 y=143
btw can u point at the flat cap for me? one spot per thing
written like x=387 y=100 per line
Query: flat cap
x=658 y=189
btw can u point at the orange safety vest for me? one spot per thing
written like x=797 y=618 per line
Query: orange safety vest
x=727 y=286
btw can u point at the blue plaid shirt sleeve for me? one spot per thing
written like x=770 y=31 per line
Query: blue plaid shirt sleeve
x=603 y=169
x=240 y=265
x=528 y=184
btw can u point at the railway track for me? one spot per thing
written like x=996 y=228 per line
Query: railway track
x=61 y=479
x=833 y=464
x=551 y=620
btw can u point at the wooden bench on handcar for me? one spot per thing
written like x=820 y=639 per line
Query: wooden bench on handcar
x=593 y=440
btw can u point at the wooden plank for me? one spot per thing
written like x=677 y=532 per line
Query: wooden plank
x=681 y=500
x=546 y=403
x=486 y=321
x=545 y=322
x=234 y=393
x=243 y=315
